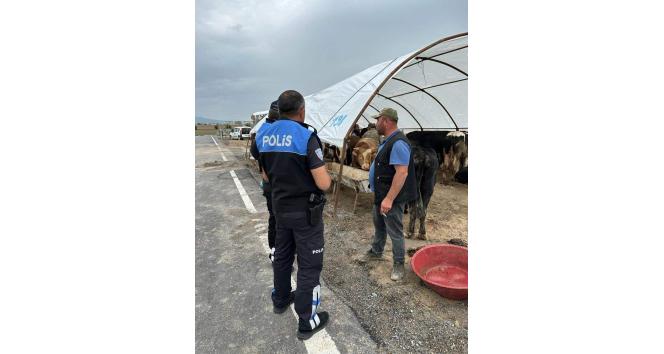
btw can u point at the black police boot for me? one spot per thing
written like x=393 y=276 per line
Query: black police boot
x=291 y=298
x=305 y=331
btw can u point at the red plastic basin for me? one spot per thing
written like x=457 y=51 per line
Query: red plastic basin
x=444 y=268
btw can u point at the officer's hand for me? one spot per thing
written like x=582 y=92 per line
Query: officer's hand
x=385 y=205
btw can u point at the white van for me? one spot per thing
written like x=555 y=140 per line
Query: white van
x=240 y=133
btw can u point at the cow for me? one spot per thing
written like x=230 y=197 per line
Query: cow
x=364 y=153
x=372 y=133
x=333 y=153
x=429 y=139
x=350 y=145
x=330 y=152
x=450 y=147
x=364 y=130
x=462 y=175
x=426 y=164
x=356 y=130
x=455 y=157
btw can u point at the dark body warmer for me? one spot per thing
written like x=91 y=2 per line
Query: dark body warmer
x=384 y=173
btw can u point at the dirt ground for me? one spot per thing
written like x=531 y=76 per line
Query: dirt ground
x=241 y=143
x=406 y=316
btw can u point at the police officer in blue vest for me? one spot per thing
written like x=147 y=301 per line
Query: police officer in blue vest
x=392 y=179
x=291 y=156
x=272 y=115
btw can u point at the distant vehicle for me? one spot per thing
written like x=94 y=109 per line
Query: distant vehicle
x=240 y=133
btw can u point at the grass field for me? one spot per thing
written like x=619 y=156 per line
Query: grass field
x=207 y=132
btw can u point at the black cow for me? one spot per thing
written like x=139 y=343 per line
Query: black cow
x=426 y=165
x=450 y=148
x=440 y=141
x=462 y=175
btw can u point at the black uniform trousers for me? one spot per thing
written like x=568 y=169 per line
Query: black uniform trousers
x=296 y=235
x=271 y=222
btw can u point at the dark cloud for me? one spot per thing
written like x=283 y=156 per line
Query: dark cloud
x=247 y=52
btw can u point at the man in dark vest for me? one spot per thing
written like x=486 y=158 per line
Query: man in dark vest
x=272 y=115
x=292 y=159
x=392 y=179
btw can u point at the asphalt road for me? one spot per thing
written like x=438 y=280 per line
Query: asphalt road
x=234 y=275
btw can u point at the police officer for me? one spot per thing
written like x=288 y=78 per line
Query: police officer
x=392 y=179
x=272 y=115
x=292 y=159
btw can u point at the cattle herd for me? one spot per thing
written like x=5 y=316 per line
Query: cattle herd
x=450 y=148
x=432 y=151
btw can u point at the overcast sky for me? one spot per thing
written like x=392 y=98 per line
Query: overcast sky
x=249 y=51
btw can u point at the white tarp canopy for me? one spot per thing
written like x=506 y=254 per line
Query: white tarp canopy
x=258 y=116
x=428 y=88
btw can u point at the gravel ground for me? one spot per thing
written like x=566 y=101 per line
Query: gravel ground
x=401 y=316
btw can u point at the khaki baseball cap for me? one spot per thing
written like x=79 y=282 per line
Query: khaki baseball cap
x=387 y=112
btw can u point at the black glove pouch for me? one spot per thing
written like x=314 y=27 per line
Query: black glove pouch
x=315 y=213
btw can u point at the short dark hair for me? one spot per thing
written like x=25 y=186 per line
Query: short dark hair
x=290 y=102
x=272 y=114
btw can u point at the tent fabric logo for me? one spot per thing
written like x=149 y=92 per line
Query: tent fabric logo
x=336 y=121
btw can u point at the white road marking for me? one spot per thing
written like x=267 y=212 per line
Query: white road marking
x=321 y=342
x=223 y=157
x=245 y=198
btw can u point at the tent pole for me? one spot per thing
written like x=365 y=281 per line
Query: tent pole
x=343 y=158
x=341 y=169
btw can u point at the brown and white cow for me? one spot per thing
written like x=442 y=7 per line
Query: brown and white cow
x=364 y=153
x=456 y=157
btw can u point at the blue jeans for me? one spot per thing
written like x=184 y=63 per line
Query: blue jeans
x=392 y=225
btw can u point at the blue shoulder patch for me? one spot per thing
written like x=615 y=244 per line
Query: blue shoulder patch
x=283 y=135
